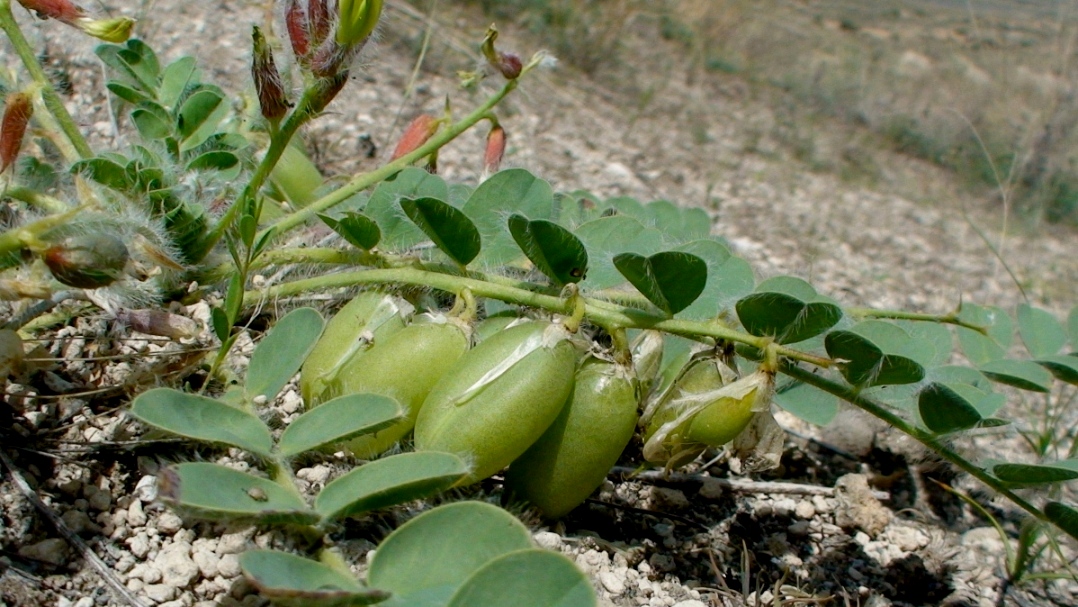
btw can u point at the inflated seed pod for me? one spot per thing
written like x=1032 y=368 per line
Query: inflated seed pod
x=404 y=366
x=370 y=317
x=694 y=418
x=503 y=394
x=571 y=459
x=493 y=325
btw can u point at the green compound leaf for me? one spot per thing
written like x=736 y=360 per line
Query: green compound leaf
x=873 y=351
x=980 y=348
x=105 y=171
x=506 y=192
x=389 y=481
x=1042 y=334
x=288 y=580
x=449 y=228
x=127 y=93
x=397 y=232
x=152 y=121
x=1064 y=517
x=547 y=579
x=282 y=352
x=944 y=410
x=1072 y=329
x=678 y=225
x=1063 y=367
x=608 y=236
x=338 y=420
x=426 y=559
x=201 y=418
x=729 y=278
x=1037 y=474
x=788 y=309
x=808 y=402
x=198 y=117
x=671 y=280
x=213 y=492
x=356 y=228
x=179 y=74
x=553 y=249
x=1021 y=374
x=217 y=160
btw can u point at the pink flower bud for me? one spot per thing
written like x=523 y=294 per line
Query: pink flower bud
x=327 y=89
x=418 y=132
x=508 y=64
x=61 y=10
x=492 y=159
x=17 y=113
x=320 y=19
x=299 y=35
x=272 y=98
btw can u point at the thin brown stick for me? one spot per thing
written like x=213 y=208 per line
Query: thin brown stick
x=72 y=538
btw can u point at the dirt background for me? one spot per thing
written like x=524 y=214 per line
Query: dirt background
x=900 y=241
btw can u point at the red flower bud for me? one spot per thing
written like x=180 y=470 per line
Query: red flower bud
x=418 y=132
x=492 y=159
x=327 y=89
x=295 y=20
x=61 y=10
x=271 y=95
x=320 y=19
x=17 y=113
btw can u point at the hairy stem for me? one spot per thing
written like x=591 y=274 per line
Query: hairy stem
x=600 y=314
x=924 y=437
x=949 y=318
x=366 y=180
x=48 y=93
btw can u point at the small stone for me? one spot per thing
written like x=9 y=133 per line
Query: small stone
x=85 y=602
x=805 y=509
x=232 y=543
x=784 y=506
x=207 y=561
x=229 y=566
x=800 y=528
x=857 y=508
x=136 y=516
x=139 y=545
x=169 y=523
x=664 y=498
x=661 y=562
x=53 y=551
x=159 y=593
x=79 y=522
x=146 y=488
x=611 y=582
x=821 y=504
x=146 y=572
x=690 y=603
x=548 y=540
x=176 y=565
x=98 y=499
x=176 y=603
x=906 y=538
x=316 y=474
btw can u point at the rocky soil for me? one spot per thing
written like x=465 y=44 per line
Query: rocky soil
x=870 y=528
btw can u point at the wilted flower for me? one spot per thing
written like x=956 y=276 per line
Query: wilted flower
x=61 y=10
x=508 y=64
x=87 y=261
x=110 y=30
x=17 y=113
x=271 y=94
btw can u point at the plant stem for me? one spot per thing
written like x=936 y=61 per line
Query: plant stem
x=925 y=438
x=366 y=180
x=48 y=93
x=600 y=314
x=950 y=318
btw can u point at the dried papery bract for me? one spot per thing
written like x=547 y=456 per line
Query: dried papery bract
x=17 y=112
x=272 y=99
x=418 y=132
x=298 y=26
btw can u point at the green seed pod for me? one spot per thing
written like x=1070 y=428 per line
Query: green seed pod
x=370 y=317
x=493 y=325
x=501 y=397
x=693 y=417
x=404 y=366
x=295 y=177
x=573 y=456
